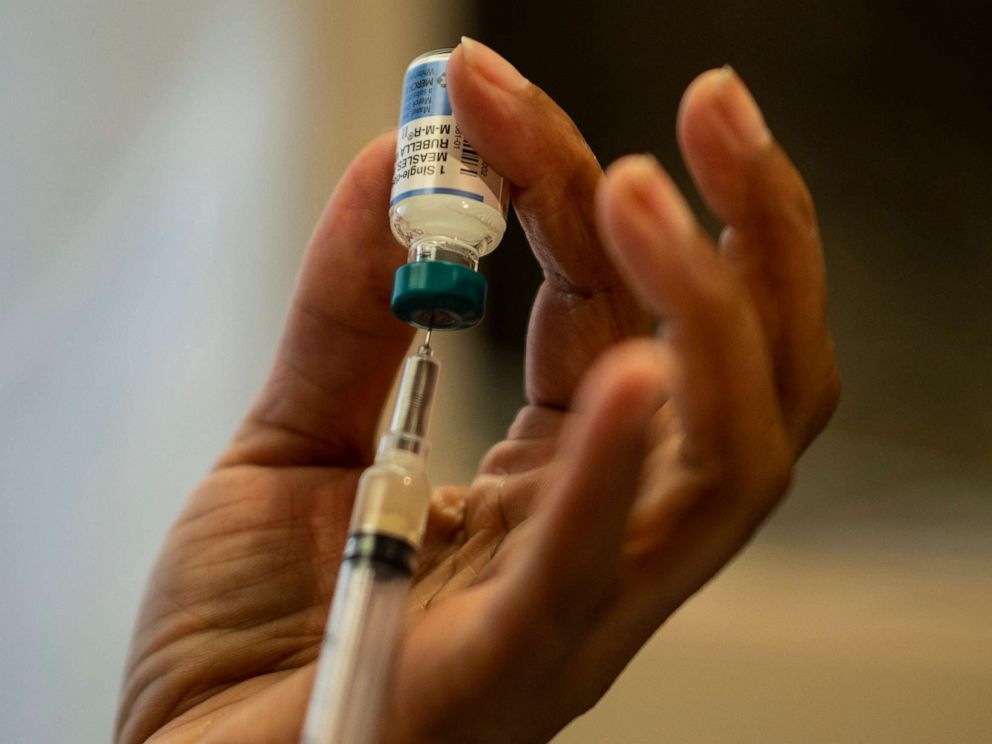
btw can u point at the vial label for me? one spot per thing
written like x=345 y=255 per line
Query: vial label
x=432 y=154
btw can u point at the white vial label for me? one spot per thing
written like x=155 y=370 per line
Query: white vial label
x=432 y=154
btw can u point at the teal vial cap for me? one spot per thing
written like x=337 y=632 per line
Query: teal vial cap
x=438 y=294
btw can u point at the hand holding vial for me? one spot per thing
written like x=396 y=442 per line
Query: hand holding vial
x=638 y=467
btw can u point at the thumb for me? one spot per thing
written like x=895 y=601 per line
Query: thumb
x=341 y=344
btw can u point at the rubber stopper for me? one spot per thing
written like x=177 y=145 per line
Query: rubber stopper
x=438 y=294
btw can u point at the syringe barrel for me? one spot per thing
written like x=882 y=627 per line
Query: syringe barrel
x=412 y=411
x=359 y=646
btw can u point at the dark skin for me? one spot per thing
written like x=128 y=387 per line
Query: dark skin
x=658 y=455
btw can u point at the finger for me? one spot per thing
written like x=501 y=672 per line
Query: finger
x=341 y=344
x=772 y=240
x=582 y=307
x=572 y=566
x=722 y=385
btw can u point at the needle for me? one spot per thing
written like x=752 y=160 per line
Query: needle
x=425 y=349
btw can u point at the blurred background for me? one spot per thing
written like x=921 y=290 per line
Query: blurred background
x=163 y=163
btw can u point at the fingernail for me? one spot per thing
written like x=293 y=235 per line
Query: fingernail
x=453 y=513
x=741 y=112
x=449 y=507
x=491 y=66
x=654 y=192
x=446 y=499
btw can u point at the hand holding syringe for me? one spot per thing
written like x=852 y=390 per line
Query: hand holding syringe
x=590 y=523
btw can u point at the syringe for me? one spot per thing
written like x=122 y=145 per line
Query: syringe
x=383 y=546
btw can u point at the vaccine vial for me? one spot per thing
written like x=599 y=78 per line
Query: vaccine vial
x=447 y=206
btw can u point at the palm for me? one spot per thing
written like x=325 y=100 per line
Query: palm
x=259 y=618
x=635 y=472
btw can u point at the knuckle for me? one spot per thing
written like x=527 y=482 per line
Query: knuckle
x=500 y=457
x=772 y=470
x=792 y=203
x=769 y=480
x=802 y=201
x=753 y=486
x=777 y=476
x=793 y=186
x=825 y=403
x=560 y=154
x=831 y=390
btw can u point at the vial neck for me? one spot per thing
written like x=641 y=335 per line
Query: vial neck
x=451 y=250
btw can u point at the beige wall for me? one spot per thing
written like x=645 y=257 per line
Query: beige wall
x=161 y=167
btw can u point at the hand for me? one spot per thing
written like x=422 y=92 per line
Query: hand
x=638 y=468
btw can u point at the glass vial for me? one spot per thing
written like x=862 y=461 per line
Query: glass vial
x=447 y=206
